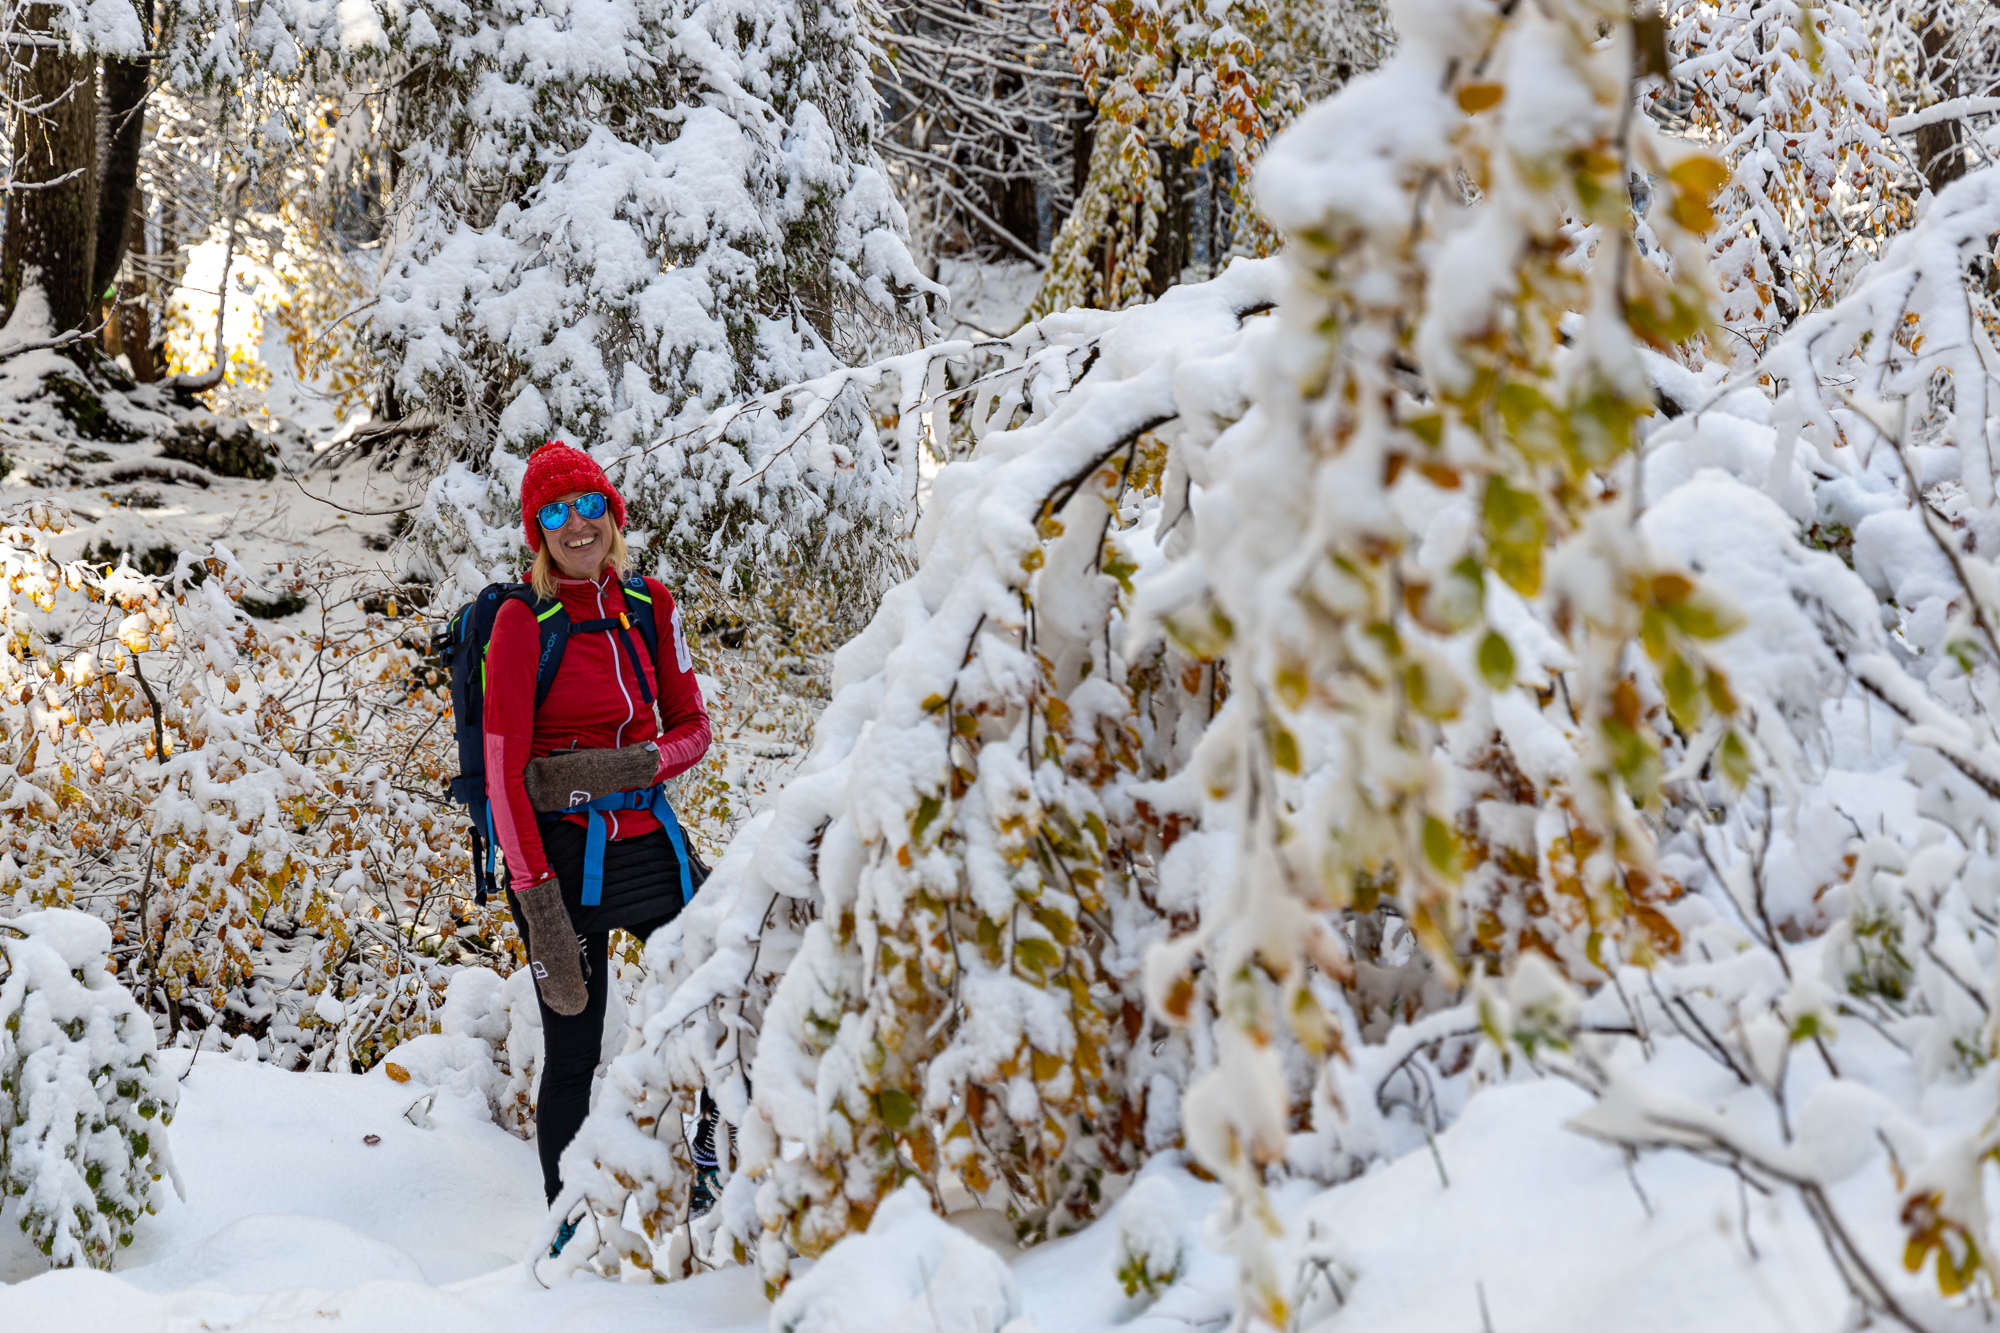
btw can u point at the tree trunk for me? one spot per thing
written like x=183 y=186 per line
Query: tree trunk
x=126 y=83
x=133 y=322
x=52 y=233
x=1940 y=155
x=1173 y=243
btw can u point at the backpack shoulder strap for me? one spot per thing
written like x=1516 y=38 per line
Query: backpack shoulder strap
x=644 y=615
x=552 y=627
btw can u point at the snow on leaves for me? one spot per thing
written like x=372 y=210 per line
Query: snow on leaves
x=84 y=1107
x=1788 y=94
x=239 y=781
x=928 y=956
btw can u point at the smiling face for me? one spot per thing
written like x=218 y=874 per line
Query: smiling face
x=581 y=546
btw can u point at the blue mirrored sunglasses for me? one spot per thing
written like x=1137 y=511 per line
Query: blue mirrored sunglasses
x=592 y=505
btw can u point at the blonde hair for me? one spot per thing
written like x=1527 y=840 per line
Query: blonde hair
x=544 y=575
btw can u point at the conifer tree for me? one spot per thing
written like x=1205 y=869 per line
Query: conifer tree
x=614 y=219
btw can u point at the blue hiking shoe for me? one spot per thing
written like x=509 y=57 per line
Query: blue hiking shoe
x=564 y=1234
x=707 y=1184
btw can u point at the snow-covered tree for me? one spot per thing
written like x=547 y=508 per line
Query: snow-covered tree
x=1939 y=63
x=981 y=118
x=1180 y=78
x=1788 y=95
x=84 y=1107
x=1185 y=98
x=50 y=68
x=613 y=219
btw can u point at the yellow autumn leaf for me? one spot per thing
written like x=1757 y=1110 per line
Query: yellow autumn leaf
x=1474 y=98
x=1700 y=174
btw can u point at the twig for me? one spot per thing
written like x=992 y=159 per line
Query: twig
x=159 y=733
x=1437 y=1157
x=49 y=344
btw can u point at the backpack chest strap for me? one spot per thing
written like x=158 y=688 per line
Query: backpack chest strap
x=621 y=625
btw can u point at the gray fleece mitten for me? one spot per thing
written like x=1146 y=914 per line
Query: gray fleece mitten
x=571 y=777
x=553 y=954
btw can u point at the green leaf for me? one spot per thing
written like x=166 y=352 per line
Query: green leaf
x=1636 y=759
x=1119 y=567
x=1496 y=660
x=927 y=810
x=1685 y=700
x=1037 y=957
x=1602 y=426
x=1732 y=758
x=1515 y=534
x=1441 y=847
x=1433 y=689
x=896 y=1107
x=1292 y=686
x=1284 y=749
x=1458 y=598
x=1530 y=420
x=1653 y=626
x=1705 y=616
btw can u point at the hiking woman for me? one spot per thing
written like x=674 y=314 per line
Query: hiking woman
x=599 y=711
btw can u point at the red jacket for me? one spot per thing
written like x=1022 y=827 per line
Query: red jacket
x=594 y=704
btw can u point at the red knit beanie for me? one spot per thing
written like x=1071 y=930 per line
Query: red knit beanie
x=555 y=470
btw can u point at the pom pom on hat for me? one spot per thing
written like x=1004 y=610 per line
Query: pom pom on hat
x=554 y=470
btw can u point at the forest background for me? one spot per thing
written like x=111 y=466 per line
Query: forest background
x=1263 y=568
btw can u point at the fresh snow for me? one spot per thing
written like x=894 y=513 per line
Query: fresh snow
x=292 y=1216
x=292 y=1219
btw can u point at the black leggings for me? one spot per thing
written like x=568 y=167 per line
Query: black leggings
x=570 y=1050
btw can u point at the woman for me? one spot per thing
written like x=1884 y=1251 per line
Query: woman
x=598 y=701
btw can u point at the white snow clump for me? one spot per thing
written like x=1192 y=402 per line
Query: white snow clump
x=83 y=1104
x=1152 y=1249
x=909 y=1270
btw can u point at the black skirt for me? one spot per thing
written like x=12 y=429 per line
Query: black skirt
x=642 y=877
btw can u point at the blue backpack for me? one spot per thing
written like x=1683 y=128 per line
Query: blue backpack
x=462 y=643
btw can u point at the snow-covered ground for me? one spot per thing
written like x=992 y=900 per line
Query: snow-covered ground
x=294 y=1219
x=988 y=300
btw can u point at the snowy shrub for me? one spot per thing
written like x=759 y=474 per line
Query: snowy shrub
x=1152 y=1249
x=264 y=794
x=84 y=1107
x=500 y=1013
x=909 y=1270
